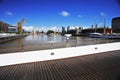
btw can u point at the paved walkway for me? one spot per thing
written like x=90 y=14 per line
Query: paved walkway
x=103 y=66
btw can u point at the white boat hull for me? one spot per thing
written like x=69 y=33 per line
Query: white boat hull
x=107 y=36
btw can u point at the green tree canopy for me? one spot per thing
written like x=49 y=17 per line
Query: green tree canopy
x=50 y=31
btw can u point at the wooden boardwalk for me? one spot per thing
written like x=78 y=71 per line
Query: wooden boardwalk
x=103 y=66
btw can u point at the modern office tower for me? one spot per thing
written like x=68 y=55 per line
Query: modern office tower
x=116 y=25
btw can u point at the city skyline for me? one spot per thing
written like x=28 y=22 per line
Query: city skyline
x=53 y=14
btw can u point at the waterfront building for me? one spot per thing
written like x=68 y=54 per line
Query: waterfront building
x=116 y=24
x=12 y=29
x=4 y=27
x=92 y=30
x=68 y=28
x=63 y=28
x=63 y=31
x=75 y=31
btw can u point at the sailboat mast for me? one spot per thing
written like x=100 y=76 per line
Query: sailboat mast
x=104 y=32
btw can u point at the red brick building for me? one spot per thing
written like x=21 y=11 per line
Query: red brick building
x=3 y=27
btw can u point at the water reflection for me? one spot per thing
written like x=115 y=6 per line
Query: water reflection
x=32 y=37
x=76 y=40
x=38 y=35
x=20 y=44
x=67 y=43
x=56 y=41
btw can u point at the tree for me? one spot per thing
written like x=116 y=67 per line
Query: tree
x=63 y=32
x=42 y=31
x=50 y=32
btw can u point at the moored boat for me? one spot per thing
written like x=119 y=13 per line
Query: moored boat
x=106 y=36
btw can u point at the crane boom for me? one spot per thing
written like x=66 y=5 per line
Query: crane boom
x=20 y=23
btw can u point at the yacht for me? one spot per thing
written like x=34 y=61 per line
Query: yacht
x=106 y=36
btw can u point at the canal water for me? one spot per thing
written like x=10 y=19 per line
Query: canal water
x=43 y=42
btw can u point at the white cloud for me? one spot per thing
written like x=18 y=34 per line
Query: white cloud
x=14 y=25
x=8 y=13
x=64 y=13
x=102 y=14
x=29 y=28
x=54 y=28
x=45 y=29
x=74 y=27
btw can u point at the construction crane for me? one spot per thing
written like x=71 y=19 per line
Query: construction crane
x=20 y=23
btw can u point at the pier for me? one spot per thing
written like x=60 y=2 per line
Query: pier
x=75 y=59
x=102 y=66
x=7 y=37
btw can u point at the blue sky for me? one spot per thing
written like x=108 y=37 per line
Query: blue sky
x=58 y=13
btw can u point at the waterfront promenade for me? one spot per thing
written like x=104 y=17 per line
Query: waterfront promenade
x=101 y=66
x=4 y=37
